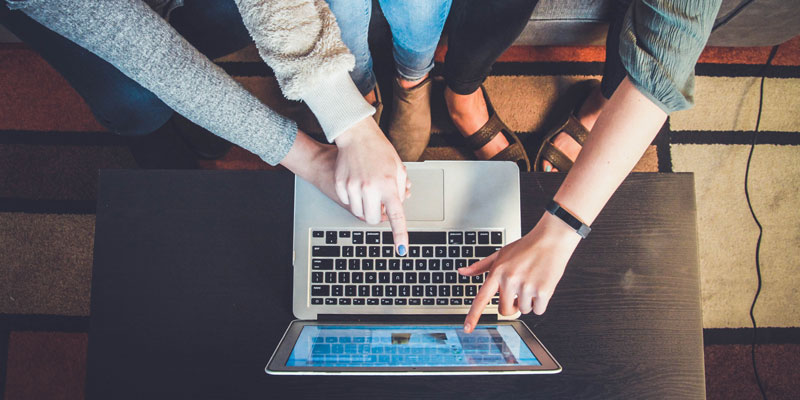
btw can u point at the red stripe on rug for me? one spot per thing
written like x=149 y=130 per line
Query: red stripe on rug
x=46 y=365
x=34 y=96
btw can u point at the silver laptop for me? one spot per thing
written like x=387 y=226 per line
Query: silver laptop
x=354 y=295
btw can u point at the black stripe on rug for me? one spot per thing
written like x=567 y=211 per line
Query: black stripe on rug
x=663 y=153
x=47 y=206
x=44 y=323
x=734 y=137
x=745 y=336
x=5 y=336
x=68 y=138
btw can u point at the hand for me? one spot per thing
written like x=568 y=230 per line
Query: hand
x=526 y=271
x=370 y=178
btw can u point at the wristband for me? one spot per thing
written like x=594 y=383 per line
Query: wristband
x=580 y=228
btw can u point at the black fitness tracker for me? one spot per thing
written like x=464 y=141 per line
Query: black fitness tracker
x=580 y=228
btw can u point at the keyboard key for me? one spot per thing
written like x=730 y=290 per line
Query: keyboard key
x=371 y=277
x=430 y=291
x=361 y=251
x=316 y=301
x=495 y=301
x=438 y=277
x=472 y=291
x=366 y=265
x=358 y=277
x=316 y=277
x=320 y=290
x=330 y=277
x=420 y=265
x=466 y=251
x=441 y=251
x=363 y=290
x=455 y=302
x=485 y=251
x=455 y=238
x=414 y=302
x=467 y=302
x=388 y=238
x=373 y=238
x=372 y=302
x=463 y=279
x=347 y=251
x=321 y=264
x=417 y=290
x=424 y=277
x=472 y=261
x=330 y=237
x=391 y=290
x=427 y=251
x=470 y=237
x=458 y=291
x=426 y=238
x=397 y=277
x=427 y=302
x=384 y=277
x=358 y=302
x=399 y=302
x=380 y=265
x=341 y=264
x=441 y=302
x=497 y=237
x=387 y=251
x=434 y=265
x=344 y=277
x=461 y=263
x=386 y=302
x=408 y=265
x=354 y=264
x=350 y=290
x=453 y=252
x=447 y=265
x=451 y=277
x=394 y=264
x=444 y=291
x=344 y=302
x=413 y=251
x=337 y=290
x=477 y=278
x=377 y=291
x=318 y=234
x=411 y=277
x=330 y=301
x=358 y=237
x=344 y=234
x=483 y=237
x=404 y=290
x=375 y=251
x=325 y=251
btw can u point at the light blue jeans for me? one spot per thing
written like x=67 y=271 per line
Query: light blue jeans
x=415 y=24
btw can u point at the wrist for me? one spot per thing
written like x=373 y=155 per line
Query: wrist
x=559 y=233
x=355 y=133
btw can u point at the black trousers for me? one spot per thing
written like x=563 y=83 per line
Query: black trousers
x=479 y=31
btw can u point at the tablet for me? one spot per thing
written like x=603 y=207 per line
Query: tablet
x=508 y=347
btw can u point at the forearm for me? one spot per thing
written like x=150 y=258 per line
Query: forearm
x=625 y=128
x=133 y=38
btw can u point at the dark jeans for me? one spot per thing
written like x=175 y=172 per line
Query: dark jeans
x=120 y=104
x=480 y=31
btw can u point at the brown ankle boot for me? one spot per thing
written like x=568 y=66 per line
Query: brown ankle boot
x=410 y=123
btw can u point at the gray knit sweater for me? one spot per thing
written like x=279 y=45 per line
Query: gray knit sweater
x=299 y=39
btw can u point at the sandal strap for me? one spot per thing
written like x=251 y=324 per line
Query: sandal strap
x=559 y=160
x=574 y=128
x=486 y=133
x=514 y=152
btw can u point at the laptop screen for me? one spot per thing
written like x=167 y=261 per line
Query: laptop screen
x=409 y=346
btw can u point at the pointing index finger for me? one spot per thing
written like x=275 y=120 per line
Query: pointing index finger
x=487 y=291
x=397 y=219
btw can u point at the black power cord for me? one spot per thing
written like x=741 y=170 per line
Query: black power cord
x=753 y=214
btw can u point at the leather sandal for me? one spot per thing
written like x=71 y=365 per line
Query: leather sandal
x=378 y=104
x=569 y=124
x=514 y=152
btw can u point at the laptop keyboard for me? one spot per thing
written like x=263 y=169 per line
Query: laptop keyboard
x=361 y=268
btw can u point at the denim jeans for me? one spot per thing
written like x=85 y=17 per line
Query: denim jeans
x=416 y=26
x=120 y=104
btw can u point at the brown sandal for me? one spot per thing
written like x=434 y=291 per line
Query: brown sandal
x=514 y=152
x=569 y=124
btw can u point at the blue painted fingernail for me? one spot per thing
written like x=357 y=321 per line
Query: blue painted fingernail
x=547 y=168
x=401 y=249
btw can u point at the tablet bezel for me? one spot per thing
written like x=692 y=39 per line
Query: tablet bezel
x=277 y=363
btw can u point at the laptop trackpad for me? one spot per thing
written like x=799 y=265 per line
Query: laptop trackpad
x=427 y=195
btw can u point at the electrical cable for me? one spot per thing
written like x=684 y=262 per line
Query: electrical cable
x=760 y=228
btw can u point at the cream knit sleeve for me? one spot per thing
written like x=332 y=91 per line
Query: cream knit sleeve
x=302 y=43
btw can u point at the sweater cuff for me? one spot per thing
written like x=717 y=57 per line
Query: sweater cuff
x=337 y=104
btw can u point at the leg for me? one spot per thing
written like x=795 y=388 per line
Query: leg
x=353 y=20
x=416 y=27
x=479 y=33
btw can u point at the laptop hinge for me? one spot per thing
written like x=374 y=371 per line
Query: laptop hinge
x=426 y=318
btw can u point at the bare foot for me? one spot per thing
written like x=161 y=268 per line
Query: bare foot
x=587 y=116
x=469 y=113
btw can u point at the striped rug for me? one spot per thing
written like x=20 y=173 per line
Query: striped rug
x=51 y=148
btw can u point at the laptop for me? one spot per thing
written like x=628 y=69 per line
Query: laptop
x=362 y=309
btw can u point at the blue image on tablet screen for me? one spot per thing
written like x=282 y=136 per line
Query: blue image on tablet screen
x=409 y=346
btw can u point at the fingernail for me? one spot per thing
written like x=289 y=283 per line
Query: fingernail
x=401 y=250
x=547 y=168
x=466 y=327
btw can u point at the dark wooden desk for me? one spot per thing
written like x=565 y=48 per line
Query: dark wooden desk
x=191 y=293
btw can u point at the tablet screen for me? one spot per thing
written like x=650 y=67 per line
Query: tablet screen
x=409 y=346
